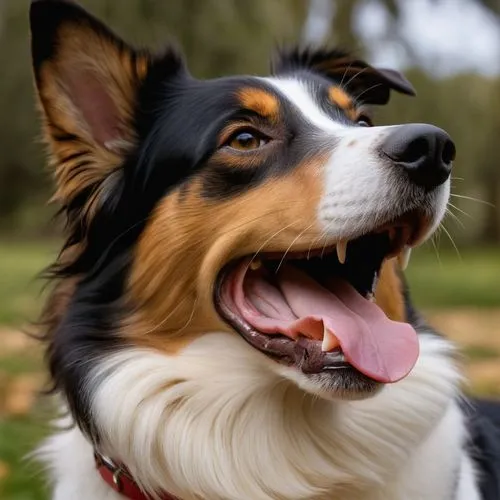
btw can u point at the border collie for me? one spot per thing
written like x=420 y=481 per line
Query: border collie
x=228 y=318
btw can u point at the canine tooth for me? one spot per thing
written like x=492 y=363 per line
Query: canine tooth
x=404 y=257
x=330 y=341
x=255 y=264
x=342 y=250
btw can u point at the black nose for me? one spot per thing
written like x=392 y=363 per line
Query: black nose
x=424 y=151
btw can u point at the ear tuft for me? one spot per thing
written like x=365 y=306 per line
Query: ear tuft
x=365 y=83
x=46 y=16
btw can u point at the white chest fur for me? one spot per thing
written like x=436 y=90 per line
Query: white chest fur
x=215 y=422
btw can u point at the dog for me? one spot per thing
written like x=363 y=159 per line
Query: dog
x=229 y=317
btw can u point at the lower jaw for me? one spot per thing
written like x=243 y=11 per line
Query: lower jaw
x=324 y=374
x=347 y=384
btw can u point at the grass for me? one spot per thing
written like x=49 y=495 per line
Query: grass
x=22 y=425
x=23 y=477
x=447 y=279
x=20 y=302
x=481 y=352
x=20 y=264
x=436 y=284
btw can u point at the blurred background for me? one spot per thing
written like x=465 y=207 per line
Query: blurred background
x=449 y=49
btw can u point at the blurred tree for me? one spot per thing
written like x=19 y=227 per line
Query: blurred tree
x=233 y=36
x=21 y=177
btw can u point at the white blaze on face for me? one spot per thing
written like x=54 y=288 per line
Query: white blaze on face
x=362 y=189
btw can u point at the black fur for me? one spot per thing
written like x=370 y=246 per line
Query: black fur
x=484 y=426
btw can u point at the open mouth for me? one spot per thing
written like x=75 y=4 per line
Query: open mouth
x=315 y=310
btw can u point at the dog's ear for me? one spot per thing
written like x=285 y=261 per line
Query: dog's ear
x=365 y=83
x=88 y=82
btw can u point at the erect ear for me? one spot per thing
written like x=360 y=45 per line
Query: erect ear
x=88 y=81
x=364 y=82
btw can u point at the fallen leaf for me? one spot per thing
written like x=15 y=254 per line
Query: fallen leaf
x=4 y=470
x=21 y=394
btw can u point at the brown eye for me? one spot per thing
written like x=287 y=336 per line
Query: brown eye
x=246 y=141
x=364 y=121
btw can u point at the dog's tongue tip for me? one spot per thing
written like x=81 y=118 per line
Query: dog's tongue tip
x=386 y=352
x=400 y=353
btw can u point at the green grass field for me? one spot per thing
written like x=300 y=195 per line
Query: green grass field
x=469 y=281
x=448 y=279
x=20 y=264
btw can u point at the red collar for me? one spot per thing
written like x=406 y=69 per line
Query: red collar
x=119 y=478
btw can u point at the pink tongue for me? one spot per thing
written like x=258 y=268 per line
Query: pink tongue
x=382 y=349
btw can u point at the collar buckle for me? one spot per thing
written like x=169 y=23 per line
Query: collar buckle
x=116 y=470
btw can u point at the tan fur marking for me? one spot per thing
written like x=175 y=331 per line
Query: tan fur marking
x=340 y=98
x=344 y=101
x=189 y=239
x=260 y=101
x=389 y=293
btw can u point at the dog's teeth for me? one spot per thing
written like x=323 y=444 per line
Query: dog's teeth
x=342 y=250
x=330 y=341
x=255 y=264
x=371 y=297
x=404 y=257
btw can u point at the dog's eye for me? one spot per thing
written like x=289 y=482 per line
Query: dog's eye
x=247 y=141
x=364 y=121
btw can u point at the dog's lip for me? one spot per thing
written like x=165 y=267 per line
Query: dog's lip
x=305 y=354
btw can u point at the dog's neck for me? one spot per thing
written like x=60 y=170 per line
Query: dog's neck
x=216 y=420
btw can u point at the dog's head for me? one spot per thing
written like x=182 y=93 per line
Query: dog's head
x=268 y=207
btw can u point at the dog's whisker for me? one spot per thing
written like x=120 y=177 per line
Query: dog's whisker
x=451 y=240
x=367 y=90
x=455 y=218
x=470 y=198
x=255 y=255
x=318 y=239
x=355 y=76
x=433 y=241
x=450 y=204
x=344 y=74
x=290 y=246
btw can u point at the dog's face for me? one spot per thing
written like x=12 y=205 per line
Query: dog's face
x=268 y=208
